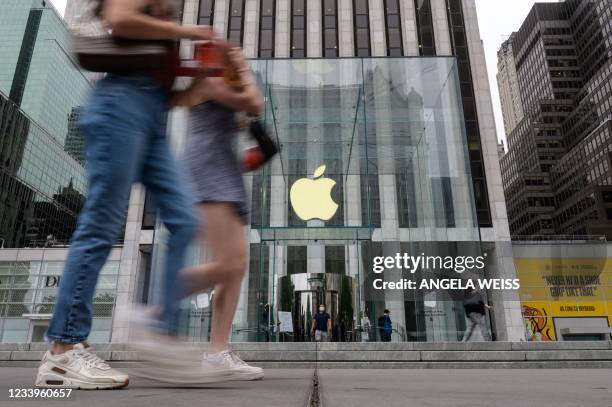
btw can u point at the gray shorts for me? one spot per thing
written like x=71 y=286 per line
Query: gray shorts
x=321 y=336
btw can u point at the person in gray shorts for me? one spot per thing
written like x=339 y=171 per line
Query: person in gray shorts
x=218 y=185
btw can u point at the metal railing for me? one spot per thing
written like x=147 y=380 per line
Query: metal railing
x=558 y=238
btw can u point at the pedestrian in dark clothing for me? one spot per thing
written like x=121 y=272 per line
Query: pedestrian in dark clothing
x=474 y=306
x=385 y=326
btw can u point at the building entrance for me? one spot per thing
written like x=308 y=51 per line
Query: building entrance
x=306 y=273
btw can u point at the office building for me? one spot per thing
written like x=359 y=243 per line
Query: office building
x=556 y=174
x=507 y=82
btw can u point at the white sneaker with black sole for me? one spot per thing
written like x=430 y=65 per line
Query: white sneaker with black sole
x=234 y=368
x=78 y=368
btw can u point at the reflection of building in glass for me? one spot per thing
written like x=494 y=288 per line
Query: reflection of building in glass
x=37 y=71
x=75 y=144
x=42 y=188
x=556 y=174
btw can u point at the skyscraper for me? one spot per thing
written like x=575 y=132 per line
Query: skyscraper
x=507 y=81
x=556 y=174
x=37 y=71
x=76 y=12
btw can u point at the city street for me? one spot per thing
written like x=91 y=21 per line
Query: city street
x=357 y=387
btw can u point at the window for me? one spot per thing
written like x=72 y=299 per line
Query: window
x=267 y=18
x=236 y=21
x=206 y=12
x=297 y=259
x=362 y=28
x=335 y=259
x=394 y=28
x=298 y=29
x=425 y=30
x=149 y=213
x=330 y=28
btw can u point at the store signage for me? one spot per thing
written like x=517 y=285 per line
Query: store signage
x=311 y=198
x=51 y=281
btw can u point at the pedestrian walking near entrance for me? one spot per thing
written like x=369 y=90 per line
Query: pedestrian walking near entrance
x=366 y=326
x=475 y=307
x=385 y=326
x=217 y=173
x=122 y=123
x=321 y=325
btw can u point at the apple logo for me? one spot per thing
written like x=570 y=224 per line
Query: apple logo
x=311 y=198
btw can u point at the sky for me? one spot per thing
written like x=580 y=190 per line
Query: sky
x=497 y=19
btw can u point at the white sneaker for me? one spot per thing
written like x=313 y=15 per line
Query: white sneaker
x=235 y=367
x=78 y=368
x=170 y=361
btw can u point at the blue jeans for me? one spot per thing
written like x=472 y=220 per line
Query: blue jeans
x=125 y=143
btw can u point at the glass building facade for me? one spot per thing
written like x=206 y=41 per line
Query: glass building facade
x=42 y=188
x=398 y=121
x=27 y=296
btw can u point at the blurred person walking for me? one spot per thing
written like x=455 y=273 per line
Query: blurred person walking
x=122 y=123
x=474 y=307
x=224 y=210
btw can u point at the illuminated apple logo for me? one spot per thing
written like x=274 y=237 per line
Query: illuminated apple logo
x=311 y=198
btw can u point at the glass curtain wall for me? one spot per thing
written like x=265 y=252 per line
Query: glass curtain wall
x=317 y=226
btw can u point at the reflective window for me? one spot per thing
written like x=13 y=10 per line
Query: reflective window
x=236 y=21
x=330 y=28
x=267 y=18
x=394 y=28
x=298 y=29
x=207 y=12
x=425 y=30
x=42 y=186
x=362 y=28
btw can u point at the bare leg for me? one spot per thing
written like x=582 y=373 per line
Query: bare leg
x=470 y=329
x=482 y=324
x=225 y=238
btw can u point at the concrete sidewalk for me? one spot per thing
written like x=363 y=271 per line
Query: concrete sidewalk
x=280 y=388
x=469 y=388
x=354 y=388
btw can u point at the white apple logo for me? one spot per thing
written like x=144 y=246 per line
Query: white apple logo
x=311 y=198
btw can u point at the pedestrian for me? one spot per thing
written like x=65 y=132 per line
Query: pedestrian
x=321 y=325
x=385 y=326
x=122 y=123
x=474 y=307
x=366 y=326
x=217 y=176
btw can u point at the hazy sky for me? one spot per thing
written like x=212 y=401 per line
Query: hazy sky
x=497 y=19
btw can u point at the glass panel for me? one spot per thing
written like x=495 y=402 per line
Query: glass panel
x=373 y=163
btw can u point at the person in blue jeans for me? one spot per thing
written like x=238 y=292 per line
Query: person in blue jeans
x=123 y=126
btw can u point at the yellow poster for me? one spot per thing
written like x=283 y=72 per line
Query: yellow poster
x=563 y=287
